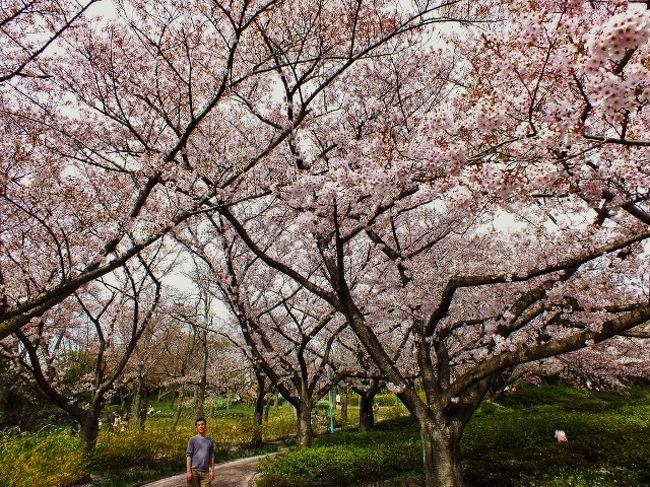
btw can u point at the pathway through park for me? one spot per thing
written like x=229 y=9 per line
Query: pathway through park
x=238 y=473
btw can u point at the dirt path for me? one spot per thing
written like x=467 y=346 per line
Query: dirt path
x=238 y=473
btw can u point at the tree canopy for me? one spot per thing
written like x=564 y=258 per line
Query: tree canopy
x=456 y=187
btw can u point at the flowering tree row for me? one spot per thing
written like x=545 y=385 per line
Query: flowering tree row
x=394 y=213
x=461 y=185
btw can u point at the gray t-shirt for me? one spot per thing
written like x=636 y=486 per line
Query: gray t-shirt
x=200 y=449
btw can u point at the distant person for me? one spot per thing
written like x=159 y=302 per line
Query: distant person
x=115 y=421
x=200 y=457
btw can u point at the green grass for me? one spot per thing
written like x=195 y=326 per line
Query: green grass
x=514 y=446
x=509 y=444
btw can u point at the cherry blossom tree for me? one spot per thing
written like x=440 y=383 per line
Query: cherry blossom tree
x=156 y=115
x=30 y=27
x=286 y=334
x=197 y=313
x=472 y=199
x=563 y=88
x=614 y=364
x=102 y=328
x=416 y=179
x=474 y=304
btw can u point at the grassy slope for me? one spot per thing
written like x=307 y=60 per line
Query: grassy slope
x=506 y=445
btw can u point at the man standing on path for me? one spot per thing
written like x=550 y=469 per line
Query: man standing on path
x=200 y=457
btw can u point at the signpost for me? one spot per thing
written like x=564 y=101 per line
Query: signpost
x=330 y=401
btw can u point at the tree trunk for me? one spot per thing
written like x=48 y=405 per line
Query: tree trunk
x=258 y=416
x=366 y=413
x=345 y=398
x=199 y=391
x=174 y=398
x=4 y=402
x=124 y=404
x=136 y=405
x=367 y=395
x=89 y=426
x=266 y=411
x=199 y=398
x=305 y=430
x=179 y=410
x=441 y=456
x=144 y=405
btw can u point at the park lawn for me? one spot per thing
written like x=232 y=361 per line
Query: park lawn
x=507 y=444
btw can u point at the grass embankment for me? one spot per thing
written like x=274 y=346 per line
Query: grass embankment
x=510 y=444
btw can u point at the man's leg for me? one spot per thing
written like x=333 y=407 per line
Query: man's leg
x=200 y=479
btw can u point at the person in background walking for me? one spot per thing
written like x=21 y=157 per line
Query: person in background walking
x=200 y=457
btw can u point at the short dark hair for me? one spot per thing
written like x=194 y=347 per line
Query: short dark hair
x=200 y=419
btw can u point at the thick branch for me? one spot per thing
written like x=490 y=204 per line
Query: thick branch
x=610 y=328
x=568 y=265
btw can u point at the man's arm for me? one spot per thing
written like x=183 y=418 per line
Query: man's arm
x=188 y=461
x=188 y=473
x=212 y=463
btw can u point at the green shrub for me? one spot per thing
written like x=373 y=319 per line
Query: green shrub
x=341 y=465
x=549 y=394
x=321 y=406
x=134 y=447
x=348 y=458
x=353 y=399
x=393 y=412
x=577 y=478
x=385 y=400
x=280 y=426
x=49 y=457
